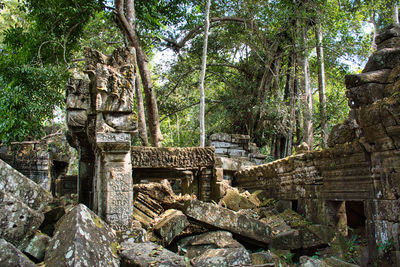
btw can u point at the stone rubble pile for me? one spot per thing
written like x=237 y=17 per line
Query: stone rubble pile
x=180 y=231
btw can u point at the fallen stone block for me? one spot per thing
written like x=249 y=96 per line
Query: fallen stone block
x=22 y=188
x=149 y=254
x=146 y=209
x=194 y=246
x=36 y=247
x=133 y=235
x=267 y=258
x=237 y=201
x=306 y=261
x=10 y=256
x=218 y=217
x=171 y=224
x=82 y=239
x=17 y=220
x=222 y=257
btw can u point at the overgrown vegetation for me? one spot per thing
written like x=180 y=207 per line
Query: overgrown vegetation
x=262 y=69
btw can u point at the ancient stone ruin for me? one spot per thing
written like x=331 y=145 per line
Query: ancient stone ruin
x=354 y=183
x=301 y=209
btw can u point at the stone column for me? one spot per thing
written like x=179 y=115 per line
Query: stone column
x=114 y=186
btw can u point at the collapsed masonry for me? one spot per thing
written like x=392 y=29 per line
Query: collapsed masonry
x=353 y=184
x=356 y=182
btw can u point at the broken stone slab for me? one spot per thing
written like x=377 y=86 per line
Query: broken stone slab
x=149 y=254
x=194 y=246
x=36 y=247
x=17 y=220
x=82 y=239
x=146 y=209
x=267 y=258
x=170 y=225
x=133 y=235
x=10 y=256
x=216 y=216
x=222 y=257
x=306 y=261
x=22 y=188
x=162 y=192
x=236 y=201
x=333 y=261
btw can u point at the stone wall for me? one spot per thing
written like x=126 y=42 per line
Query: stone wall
x=236 y=146
x=363 y=164
x=41 y=161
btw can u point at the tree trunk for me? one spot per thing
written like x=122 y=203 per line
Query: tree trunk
x=395 y=12
x=202 y=76
x=143 y=63
x=140 y=108
x=321 y=84
x=307 y=94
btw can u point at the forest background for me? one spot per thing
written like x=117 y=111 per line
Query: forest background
x=275 y=69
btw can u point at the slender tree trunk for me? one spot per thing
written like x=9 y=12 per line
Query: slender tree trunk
x=307 y=95
x=143 y=63
x=140 y=108
x=374 y=28
x=202 y=76
x=321 y=84
x=292 y=104
x=395 y=12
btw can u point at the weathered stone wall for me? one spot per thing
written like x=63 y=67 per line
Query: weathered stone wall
x=236 y=146
x=30 y=159
x=363 y=163
x=41 y=161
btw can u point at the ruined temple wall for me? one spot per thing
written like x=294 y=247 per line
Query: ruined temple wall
x=319 y=174
x=363 y=163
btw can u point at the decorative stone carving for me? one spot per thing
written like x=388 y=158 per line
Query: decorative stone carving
x=101 y=121
x=172 y=157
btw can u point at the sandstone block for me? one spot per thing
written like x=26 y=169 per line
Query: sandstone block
x=171 y=224
x=17 y=220
x=149 y=254
x=223 y=257
x=10 y=256
x=225 y=219
x=23 y=189
x=236 y=201
x=82 y=239
x=36 y=247
x=194 y=246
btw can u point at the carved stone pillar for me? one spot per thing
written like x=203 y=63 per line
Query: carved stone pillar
x=101 y=124
x=114 y=186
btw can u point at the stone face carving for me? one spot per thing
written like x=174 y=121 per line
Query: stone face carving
x=101 y=121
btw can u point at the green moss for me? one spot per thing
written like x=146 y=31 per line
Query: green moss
x=294 y=219
x=114 y=248
x=97 y=222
